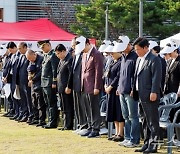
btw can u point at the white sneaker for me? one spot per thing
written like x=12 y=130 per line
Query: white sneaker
x=130 y=144
x=76 y=131
x=123 y=142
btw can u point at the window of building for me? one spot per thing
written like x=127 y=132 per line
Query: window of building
x=1 y=14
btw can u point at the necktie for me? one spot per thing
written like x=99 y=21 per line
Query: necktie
x=136 y=75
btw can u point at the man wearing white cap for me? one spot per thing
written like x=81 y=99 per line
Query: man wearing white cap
x=74 y=86
x=91 y=84
x=129 y=106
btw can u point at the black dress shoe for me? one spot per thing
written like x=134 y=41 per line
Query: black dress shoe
x=18 y=118
x=49 y=126
x=150 y=151
x=41 y=124
x=143 y=148
x=65 y=128
x=34 y=122
x=29 y=120
x=9 y=115
x=5 y=115
x=14 y=117
x=118 y=138
x=24 y=119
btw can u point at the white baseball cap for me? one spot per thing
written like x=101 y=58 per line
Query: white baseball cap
x=80 y=44
x=110 y=47
x=104 y=45
x=3 y=49
x=169 y=48
x=122 y=44
x=152 y=44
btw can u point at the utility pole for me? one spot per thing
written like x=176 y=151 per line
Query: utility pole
x=106 y=22
x=140 y=18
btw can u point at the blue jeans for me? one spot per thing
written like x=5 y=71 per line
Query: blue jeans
x=129 y=109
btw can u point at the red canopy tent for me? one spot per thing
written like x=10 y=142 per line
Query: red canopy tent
x=33 y=30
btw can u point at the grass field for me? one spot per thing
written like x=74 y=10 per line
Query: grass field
x=21 y=138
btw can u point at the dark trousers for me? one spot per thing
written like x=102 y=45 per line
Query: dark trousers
x=79 y=110
x=25 y=101
x=50 y=100
x=68 y=109
x=150 y=122
x=13 y=103
x=92 y=109
x=39 y=106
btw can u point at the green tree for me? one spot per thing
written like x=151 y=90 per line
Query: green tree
x=161 y=18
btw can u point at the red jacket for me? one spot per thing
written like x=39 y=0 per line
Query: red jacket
x=92 y=71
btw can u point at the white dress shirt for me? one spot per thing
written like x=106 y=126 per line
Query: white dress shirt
x=142 y=59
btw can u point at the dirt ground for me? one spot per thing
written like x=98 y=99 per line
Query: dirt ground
x=21 y=138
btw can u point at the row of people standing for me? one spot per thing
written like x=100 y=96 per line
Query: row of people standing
x=78 y=82
x=15 y=73
x=145 y=74
x=53 y=74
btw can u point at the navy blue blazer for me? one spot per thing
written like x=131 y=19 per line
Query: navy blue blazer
x=75 y=75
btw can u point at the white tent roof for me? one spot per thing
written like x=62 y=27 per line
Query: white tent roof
x=175 y=38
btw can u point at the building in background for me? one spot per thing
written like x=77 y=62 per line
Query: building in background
x=8 y=11
x=61 y=12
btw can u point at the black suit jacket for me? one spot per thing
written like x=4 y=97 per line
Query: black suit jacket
x=75 y=75
x=163 y=62
x=63 y=73
x=149 y=78
x=22 y=73
x=13 y=71
x=49 y=69
x=173 y=77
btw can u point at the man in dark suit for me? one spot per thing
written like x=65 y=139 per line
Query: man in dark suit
x=34 y=77
x=74 y=86
x=9 y=75
x=7 y=78
x=49 y=81
x=63 y=75
x=26 y=113
x=91 y=84
x=148 y=75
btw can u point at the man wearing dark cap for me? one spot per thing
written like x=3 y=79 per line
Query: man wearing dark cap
x=49 y=81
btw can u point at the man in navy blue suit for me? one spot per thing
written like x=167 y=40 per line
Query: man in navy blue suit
x=26 y=113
